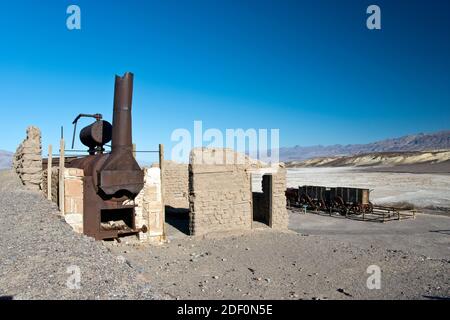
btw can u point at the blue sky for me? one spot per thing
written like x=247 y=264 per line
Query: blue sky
x=310 y=68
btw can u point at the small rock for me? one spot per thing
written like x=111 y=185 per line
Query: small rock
x=344 y=292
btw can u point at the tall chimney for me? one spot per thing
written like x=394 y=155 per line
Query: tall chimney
x=121 y=132
x=120 y=173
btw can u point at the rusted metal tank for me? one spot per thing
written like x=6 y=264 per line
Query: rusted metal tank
x=96 y=135
x=111 y=179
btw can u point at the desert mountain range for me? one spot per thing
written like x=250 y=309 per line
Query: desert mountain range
x=416 y=142
x=380 y=151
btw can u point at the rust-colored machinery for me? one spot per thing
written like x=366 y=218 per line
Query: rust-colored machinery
x=343 y=200
x=112 y=179
x=349 y=202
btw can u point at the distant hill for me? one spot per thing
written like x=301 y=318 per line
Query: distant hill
x=402 y=158
x=5 y=159
x=417 y=142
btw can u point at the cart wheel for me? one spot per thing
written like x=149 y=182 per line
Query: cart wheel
x=356 y=209
x=369 y=208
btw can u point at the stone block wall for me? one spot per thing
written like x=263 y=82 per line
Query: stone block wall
x=27 y=161
x=279 y=216
x=73 y=198
x=269 y=206
x=176 y=185
x=149 y=210
x=219 y=194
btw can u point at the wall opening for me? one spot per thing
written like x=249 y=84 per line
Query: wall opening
x=117 y=219
x=262 y=200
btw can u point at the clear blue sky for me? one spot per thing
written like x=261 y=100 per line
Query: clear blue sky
x=310 y=68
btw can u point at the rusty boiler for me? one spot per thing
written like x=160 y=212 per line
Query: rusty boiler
x=112 y=179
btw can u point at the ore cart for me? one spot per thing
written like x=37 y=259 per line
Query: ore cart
x=314 y=197
x=351 y=200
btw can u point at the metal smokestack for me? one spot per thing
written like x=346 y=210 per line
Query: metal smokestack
x=121 y=132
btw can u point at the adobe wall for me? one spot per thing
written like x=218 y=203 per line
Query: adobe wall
x=73 y=198
x=269 y=206
x=149 y=210
x=176 y=185
x=279 y=215
x=27 y=161
x=54 y=183
x=219 y=194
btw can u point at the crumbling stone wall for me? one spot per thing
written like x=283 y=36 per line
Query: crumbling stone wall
x=280 y=216
x=149 y=210
x=219 y=194
x=27 y=161
x=54 y=182
x=176 y=185
x=73 y=198
x=269 y=206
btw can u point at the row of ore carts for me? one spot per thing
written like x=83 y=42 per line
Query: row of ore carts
x=340 y=199
x=343 y=200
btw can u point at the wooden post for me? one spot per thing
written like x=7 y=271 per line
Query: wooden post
x=134 y=150
x=61 y=176
x=161 y=168
x=49 y=173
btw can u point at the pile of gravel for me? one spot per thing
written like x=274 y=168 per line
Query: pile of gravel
x=39 y=253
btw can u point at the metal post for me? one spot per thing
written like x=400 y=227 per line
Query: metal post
x=49 y=173
x=61 y=176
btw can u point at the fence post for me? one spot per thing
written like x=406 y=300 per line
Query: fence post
x=161 y=169
x=61 y=176
x=49 y=173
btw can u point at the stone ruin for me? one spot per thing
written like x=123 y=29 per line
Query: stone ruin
x=27 y=161
x=217 y=196
x=176 y=185
x=221 y=197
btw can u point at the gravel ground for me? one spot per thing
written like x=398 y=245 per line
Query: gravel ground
x=37 y=247
x=264 y=264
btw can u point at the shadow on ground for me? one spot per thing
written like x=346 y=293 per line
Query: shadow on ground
x=178 y=218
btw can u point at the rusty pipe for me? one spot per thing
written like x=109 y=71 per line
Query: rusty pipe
x=121 y=129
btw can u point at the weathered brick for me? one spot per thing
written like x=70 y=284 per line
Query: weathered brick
x=73 y=187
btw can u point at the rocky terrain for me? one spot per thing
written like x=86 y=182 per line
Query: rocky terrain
x=39 y=253
x=37 y=248
x=417 y=142
x=263 y=264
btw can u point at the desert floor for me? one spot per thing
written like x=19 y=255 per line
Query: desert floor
x=423 y=190
x=320 y=257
